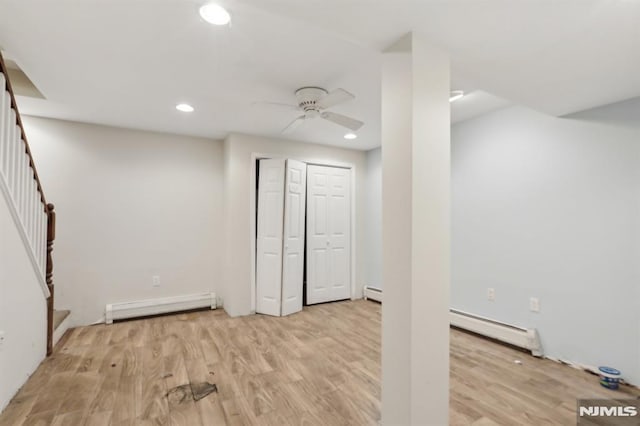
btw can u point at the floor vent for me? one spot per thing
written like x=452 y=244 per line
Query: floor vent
x=165 y=305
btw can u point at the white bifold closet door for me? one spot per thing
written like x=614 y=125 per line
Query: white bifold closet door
x=269 y=242
x=328 y=234
x=293 y=257
x=280 y=237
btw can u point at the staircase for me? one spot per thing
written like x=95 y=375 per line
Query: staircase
x=20 y=185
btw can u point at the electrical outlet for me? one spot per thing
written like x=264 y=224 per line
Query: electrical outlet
x=534 y=304
x=155 y=281
x=1 y=339
x=491 y=294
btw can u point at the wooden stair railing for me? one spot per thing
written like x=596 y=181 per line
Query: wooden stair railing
x=51 y=235
x=38 y=229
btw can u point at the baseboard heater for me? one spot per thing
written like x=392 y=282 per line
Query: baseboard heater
x=165 y=305
x=373 y=293
x=526 y=338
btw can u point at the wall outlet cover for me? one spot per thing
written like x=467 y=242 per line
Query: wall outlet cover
x=491 y=294
x=534 y=304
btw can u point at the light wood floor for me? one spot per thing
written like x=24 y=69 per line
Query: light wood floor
x=321 y=366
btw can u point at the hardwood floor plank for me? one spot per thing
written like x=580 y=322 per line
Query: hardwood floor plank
x=57 y=389
x=74 y=418
x=153 y=391
x=98 y=419
x=238 y=412
x=320 y=366
x=126 y=406
x=43 y=418
x=210 y=408
x=81 y=393
x=82 y=418
x=18 y=410
x=105 y=397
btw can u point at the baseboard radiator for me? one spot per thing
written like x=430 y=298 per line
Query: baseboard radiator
x=526 y=338
x=372 y=293
x=165 y=305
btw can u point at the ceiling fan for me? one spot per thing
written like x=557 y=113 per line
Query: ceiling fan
x=313 y=102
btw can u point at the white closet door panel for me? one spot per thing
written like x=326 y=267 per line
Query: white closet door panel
x=317 y=236
x=293 y=260
x=340 y=233
x=269 y=240
x=328 y=234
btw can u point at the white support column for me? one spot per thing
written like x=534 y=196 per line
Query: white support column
x=416 y=233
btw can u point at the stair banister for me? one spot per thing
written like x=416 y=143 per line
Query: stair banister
x=22 y=189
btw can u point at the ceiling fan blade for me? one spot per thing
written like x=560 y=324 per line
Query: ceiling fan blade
x=335 y=97
x=293 y=125
x=276 y=104
x=342 y=120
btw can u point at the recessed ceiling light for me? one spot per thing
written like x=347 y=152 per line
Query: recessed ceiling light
x=350 y=136
x=455 y=95
x=215 y=14
x=184 y=107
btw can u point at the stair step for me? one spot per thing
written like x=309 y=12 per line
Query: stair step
x=58 y=317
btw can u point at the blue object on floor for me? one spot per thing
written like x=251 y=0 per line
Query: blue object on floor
x=609 y=377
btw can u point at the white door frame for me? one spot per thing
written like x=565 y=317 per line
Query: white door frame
x=252 y=212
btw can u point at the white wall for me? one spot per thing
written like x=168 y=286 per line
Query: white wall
x=133 y=204
x=238 y=183
x=130 y=205
x=550 y=208
x=23 y=310
x=373 y=219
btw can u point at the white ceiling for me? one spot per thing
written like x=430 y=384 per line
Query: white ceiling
x=127 y=63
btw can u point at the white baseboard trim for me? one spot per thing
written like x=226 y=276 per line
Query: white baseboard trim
x=62 y=328
x=584 y=367
x=142 y=308
x=575 y=365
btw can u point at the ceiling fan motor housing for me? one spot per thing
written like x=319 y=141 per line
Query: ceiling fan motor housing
x=315 y=101
x=308 y=97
